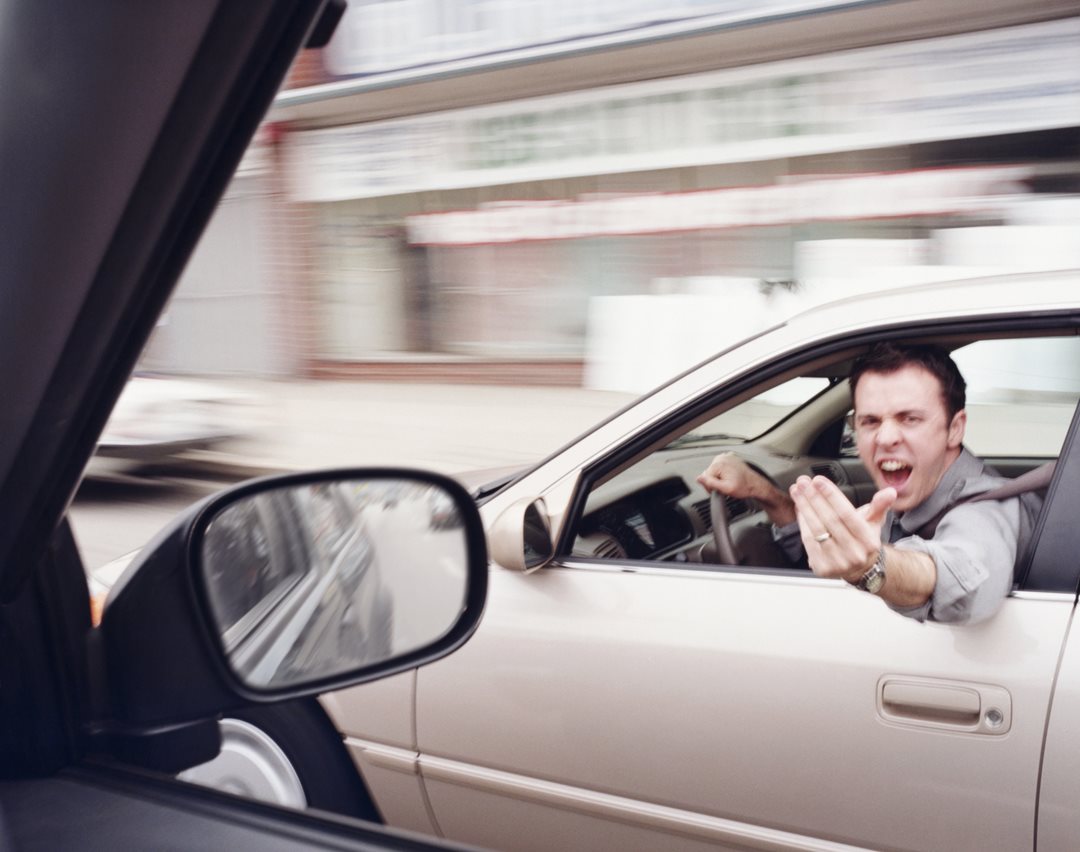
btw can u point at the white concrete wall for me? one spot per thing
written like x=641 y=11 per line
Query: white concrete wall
x=637 y=342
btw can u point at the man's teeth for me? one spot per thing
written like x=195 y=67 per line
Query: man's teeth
x=893 y=465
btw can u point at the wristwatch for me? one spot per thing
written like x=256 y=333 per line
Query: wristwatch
x=874 y=579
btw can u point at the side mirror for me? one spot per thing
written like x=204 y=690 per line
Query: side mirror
x=521 y=536
x=291 y=586
x=306 y=581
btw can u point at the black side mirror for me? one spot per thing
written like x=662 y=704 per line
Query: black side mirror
x=285 y=587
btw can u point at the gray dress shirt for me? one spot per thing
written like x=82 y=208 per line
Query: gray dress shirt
x=974 y=547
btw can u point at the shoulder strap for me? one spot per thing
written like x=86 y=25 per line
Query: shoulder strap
x=1034 y=480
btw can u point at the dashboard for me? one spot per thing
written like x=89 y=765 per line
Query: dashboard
x=645 y=523
x=656 y=510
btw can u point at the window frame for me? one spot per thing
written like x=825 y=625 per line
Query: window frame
x=1045 y=567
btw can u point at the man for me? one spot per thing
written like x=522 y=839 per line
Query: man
x=917 y=544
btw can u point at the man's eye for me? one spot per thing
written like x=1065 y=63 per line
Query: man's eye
x=911 y=419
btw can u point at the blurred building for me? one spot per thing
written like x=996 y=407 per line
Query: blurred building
x=605 y=191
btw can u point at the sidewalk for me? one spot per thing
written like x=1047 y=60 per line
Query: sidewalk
x=448 y=428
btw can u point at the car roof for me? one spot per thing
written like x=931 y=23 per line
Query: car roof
x=1007 y=294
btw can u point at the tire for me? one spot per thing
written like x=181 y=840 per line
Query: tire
x=287 y=754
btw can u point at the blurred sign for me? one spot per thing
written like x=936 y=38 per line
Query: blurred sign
x=389 y=35
x=999 y=81
x=917 y=193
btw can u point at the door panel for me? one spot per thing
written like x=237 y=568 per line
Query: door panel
x=749 y=698
x=1059 y=818
x=535 y=816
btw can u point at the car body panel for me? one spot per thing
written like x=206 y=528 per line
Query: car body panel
x=402 y=797
x=646 y=705
x=721 y=694
x=1059 y=819
x=384 y=710
x=385 y=754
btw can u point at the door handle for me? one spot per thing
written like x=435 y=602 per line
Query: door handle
x=976 y=708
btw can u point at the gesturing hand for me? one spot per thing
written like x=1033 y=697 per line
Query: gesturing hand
x=841 y=541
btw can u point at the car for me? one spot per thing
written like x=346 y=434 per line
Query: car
x=160 y=421
x=631 y=688
x=134 y=118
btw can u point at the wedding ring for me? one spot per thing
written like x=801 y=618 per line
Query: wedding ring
x=823 y=537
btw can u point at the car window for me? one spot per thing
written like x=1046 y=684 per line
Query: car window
x=1021 y=398
x=1021 y=394
x=757 y=415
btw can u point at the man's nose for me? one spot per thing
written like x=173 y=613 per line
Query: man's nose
x=888 y=433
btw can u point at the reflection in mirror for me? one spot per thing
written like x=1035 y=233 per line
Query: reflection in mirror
x=307 y=581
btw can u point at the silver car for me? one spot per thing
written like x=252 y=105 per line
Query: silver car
x=629 y=689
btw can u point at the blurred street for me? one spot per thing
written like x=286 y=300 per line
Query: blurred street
x=448 y=428
x=301 y=425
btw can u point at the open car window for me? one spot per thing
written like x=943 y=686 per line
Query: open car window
x=1021 y=395
x=1021 y=398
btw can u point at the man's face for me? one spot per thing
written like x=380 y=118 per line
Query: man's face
x=903 y=433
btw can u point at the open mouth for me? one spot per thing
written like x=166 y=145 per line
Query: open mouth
x=895 y=472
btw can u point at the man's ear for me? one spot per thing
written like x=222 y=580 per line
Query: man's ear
x=956 y=429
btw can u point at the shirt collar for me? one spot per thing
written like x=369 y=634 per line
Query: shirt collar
x=966 y=466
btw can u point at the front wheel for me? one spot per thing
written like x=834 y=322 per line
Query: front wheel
x=287 y=754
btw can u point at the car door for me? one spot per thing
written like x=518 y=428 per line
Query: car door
x=625 y=704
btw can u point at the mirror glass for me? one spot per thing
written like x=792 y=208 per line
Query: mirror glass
x=538 y=546
x=312 y=580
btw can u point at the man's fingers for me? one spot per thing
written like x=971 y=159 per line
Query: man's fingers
x=711 y=482
x=829 y=505
x=874 y=512
x=837 y=536
x=818 y=521
x=838 y=502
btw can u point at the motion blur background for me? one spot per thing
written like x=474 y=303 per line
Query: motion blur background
x=469 y=229
x=599 y=193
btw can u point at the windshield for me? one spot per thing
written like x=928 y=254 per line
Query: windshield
x=755 y=416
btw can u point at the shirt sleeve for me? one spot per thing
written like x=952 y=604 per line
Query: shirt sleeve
x=790 y=541
x=974 y=550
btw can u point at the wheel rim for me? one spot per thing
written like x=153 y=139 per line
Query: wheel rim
x=250 y=764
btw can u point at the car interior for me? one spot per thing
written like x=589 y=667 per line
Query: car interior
x=648 y=506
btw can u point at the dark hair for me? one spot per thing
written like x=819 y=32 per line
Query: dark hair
x=890 y=357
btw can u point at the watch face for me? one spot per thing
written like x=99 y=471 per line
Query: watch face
x=874 y=581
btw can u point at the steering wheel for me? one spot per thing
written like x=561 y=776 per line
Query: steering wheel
x=721 y=530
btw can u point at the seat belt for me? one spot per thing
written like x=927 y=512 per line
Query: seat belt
x=1034 y=480
x=1037 y=479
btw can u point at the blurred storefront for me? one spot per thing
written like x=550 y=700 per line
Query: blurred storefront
x=603 y=192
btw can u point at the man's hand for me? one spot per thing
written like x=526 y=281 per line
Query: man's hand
x=843 y=542
x=730 y=475
x=840 y=540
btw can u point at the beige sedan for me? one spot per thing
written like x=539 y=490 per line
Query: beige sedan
x=627 y=689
